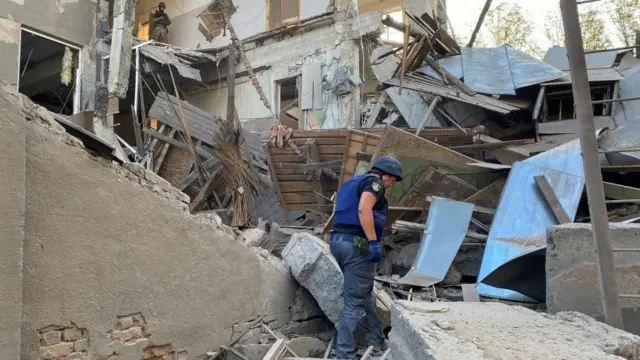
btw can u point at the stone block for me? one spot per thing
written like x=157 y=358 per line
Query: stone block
x=155 y=351
x=572 y=275
x=74 y=356
x=307 y=346
x=313 y=266
x=81 y=345
x=254 y=237
x=51 y=337
x=125 y=322
x=133 y=350
x=45 y=354
x=488 y=331
x=305 y=306
x=128 y=334
x=72 y=334
x=60 y=350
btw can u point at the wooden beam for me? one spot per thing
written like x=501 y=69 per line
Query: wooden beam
x=204 y=193
x=427 y=114
x=231 y=84
x=483 y=14
x=371 y=120
x=202 y=152
x=276 y=183
x=163 y=152
x=552 y=200
x=191 y=177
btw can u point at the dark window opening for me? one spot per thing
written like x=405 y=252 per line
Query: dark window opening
x=559 y=103
x=287 y=103
x=47 y=72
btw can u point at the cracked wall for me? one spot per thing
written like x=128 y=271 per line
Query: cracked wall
x=101 y=241
x=572 y=275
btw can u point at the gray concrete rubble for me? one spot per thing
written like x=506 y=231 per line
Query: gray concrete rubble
x=315 y=268
x=307 y=346
x=304 y=307
x=572 y=274
x=495 y=331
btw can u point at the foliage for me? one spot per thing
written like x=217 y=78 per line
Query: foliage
x=625 y=16
x=507 y=24
x=594 y=34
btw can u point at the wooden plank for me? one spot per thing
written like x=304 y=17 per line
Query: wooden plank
x=293 y=177
x=552 y=199
x=493 y=145
x=192 y=176
x=323 y=149
x=437 y=183
x=163 y=152
x=487 y=197
x=201 y=151
x=204 y=193
x=276 y=183
x=296 y=159
x=371 y=118
x=298 y=134
x=620 y=192
x=300 y=198
x=427 y=114
x=296 y=186
x=321 y=141
x=277 y=350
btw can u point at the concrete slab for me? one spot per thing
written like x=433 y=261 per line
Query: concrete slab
x=315 y=268
x=495 y=331
x=572 y=274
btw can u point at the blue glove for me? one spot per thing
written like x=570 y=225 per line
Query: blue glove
x=375 y=251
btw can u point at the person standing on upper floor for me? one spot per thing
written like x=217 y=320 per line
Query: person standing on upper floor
x=360 y=215
x=161 y=22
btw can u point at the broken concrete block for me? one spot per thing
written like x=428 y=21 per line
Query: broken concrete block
x=304 y=306
x=572 y=274
x=254 y=237
x=488 y=331
x=125 y=322
x=52 y=337
x=307 y=346
x=59 y=350
x=315 y=268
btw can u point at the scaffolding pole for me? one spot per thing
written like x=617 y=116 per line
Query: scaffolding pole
x=593 y=176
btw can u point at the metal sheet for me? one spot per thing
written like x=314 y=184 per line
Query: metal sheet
x=445 y=230
x=572 y=126
x=628 y=112
x=594 y=75
x=522 y=217
x=486 y=70
x=452 y=64
x=557 y=57
x=527 y=70
x=565 y=158
x=159 y=55
x=623 y=137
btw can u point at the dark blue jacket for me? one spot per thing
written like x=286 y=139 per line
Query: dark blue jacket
x=346 y=213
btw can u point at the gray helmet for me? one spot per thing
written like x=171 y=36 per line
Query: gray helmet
x=388 y=165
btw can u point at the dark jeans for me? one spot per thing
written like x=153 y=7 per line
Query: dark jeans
x=359 y=301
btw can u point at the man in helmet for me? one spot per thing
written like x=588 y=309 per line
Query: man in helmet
x=161 y=22
x=360 y=215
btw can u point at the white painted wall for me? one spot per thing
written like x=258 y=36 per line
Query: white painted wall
x=250 y=19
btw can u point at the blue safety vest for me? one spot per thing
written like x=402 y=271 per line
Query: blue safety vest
x=346 y=212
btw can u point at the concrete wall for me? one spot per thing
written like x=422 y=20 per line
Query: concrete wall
x=572 y=278
x=12 y=192
x=250 y=19
x=112 y=253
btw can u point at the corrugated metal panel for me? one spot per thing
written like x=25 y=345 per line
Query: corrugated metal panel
x=486 y=70
x=452 y=64
x=628 y=112
x=557 y=57
x=446 y=228
x=594 y=75
x=527 y=70
x=521 y=220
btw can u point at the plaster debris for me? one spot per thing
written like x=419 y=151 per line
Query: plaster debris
x=491 y=331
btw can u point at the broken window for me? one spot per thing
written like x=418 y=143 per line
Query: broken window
x=283 y=12
x=48 y=72
x=558 y=104
x=287 y=106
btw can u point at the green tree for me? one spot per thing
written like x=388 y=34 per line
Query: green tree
x=594 y=35
x=625 y=15
x=507 y=24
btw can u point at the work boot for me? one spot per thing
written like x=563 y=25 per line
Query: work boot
x=379 y=349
